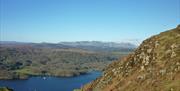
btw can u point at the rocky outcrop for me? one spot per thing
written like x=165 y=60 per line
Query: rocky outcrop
x=154 y=66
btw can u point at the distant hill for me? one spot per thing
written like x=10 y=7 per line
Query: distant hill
x=34 y=45
x=154 y=66
x=20 y=60
x=87 y=45
x=101 y=46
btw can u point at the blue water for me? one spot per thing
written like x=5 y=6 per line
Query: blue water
x=50 y=83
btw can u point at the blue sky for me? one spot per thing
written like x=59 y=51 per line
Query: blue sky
x=81 y=20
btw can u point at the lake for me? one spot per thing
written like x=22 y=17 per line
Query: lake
x=50 y=83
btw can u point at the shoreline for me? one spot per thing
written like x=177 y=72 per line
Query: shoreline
x=59 y=76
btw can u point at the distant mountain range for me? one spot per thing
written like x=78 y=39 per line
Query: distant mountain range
x=87 y=45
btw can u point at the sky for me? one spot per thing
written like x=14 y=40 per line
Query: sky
x=86 y=20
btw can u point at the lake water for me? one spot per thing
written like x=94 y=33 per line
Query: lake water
x=50 y=83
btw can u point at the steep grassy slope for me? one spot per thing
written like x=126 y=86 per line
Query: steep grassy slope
x=154 y=66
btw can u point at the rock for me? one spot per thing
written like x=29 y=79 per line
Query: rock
x=149 y=50
x=171 y=89
x=147 y=62
x=168 y=51
x=142 y=68
x=113 y=70
x=140 y=77
x=177 y=63
x=173 y=54
x=162 y=72
x=147 y=58
x=156 y=44
x=173 y=46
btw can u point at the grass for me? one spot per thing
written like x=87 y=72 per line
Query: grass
x=168 y=85
x=76 y=90
x=26 y=71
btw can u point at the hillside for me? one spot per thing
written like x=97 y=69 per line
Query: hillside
x=154 y=66
x=20 y=60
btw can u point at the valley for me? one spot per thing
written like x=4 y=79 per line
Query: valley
x=22 y=60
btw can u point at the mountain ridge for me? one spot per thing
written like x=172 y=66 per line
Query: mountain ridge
x=86 y=45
